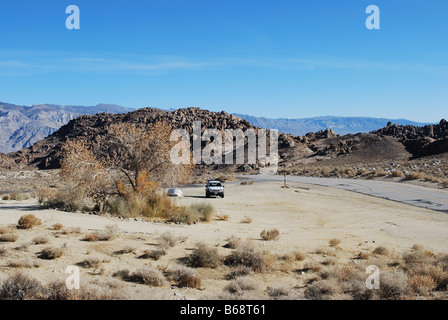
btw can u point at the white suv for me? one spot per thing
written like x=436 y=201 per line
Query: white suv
x=214 y=188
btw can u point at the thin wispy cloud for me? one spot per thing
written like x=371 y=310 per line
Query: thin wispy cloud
x=47 y=62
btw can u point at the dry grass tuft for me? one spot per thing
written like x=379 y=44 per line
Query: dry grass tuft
x=222 y=217
x=268 y=235
x=204 y=256
x=148 y=275
x=247 y=255
x=383 y=251
x=23 y=263
x=246 y=220
x=241 y=285
x=184 y=277
x=51 y=253
x=277 y=292
x=28 y=221
x=57 y=226
x=40 y=240
x=153 y=254
x=334 y=242
x=21 y=287
x=9 y=237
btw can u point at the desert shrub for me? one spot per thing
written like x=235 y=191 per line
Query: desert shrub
x=422 y=284
x=246 y=220
x=58 y=291
x=9 y=237
x=393 y=286
x=169 y=240
x=334 y=242
x=222 y=217
x=111 y=232
x=6 y=197
x=125 y=250
x=320 y=290
x=418 y=256
x=57 y=226
x=118 y=206
x=233 y=242
x=67 y=199
x=204 y=256
x=313 y=266
x=8 y=229
x=240 y=271
x=21 y=287
x=153 y=254
x=28 y=221
x=40 y=240
x=17 y=195
x=268 y=235
x=247 y=255
x=94 y=263
x=23 y=263
x=362 y=256
x=381 y=251
x=203 y=210
x=298 y=255
x=149 y=276
x=330 y=261
x=3 y=252
x=91 y=237
x=241 y=284
x=277 y=292
x=51 y=253
x=398 y=174
x=184 y=277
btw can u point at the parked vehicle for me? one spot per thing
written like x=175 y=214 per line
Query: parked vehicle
x=214 y=188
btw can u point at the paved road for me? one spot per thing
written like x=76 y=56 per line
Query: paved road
x=428 y=198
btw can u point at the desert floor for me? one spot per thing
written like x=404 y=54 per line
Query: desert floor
x=307 y=217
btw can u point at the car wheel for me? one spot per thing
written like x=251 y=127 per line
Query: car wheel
x=222 y=195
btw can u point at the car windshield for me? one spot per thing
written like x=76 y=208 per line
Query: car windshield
x=214 y=184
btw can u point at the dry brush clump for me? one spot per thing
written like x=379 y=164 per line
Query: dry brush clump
x=20 y=286
x=111 y=232
x=204 y=256
x=147 y=275
x=269 y=235
x=40 y=240
x=184 y=277
x=28 y=222
x=9 y=237
x=248 y=256
x=242 y=284
x=51 y=253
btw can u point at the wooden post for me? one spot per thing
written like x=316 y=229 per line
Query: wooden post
x=284 y=179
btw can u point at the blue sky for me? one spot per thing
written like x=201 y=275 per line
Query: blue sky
x=282 y=58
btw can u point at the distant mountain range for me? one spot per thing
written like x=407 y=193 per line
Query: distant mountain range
x=22 y=126
x=340 y=125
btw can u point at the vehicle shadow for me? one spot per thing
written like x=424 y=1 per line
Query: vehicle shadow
x=197 y=197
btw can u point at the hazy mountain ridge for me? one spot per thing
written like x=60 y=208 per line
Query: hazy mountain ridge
x=22 y=126
x=341 y=125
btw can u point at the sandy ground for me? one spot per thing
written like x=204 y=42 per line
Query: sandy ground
x=307 y=216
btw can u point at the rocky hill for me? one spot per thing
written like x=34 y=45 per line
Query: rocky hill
x=420 y=141
x=22 y=126
x=323 y=147
x=45 y=154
